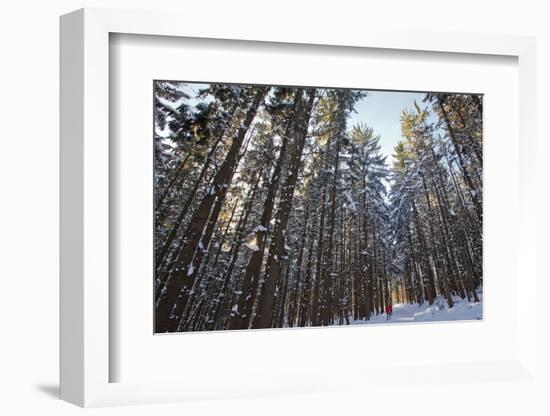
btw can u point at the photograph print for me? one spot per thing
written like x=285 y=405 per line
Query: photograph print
x=290 y=206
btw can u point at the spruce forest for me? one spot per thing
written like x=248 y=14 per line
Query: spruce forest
x=273 y=209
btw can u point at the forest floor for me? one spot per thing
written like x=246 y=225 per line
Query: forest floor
x=463 y=310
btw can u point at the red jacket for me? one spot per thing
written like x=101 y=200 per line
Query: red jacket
x=389 y=309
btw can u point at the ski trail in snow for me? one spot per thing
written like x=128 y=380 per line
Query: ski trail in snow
x=463 y=310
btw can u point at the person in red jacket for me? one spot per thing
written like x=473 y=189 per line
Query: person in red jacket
x=389 y=311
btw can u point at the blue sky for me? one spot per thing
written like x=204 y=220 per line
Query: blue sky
x=381 y=110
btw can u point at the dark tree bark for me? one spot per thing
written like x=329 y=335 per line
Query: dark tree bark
x=458 y=152
x=163 y=252
x=297 y=280
x=241 y=317
x=172 y=181
x=176 y=290
x=306 y=298
x=327 y=275
x=243 y=221
x=263 y=317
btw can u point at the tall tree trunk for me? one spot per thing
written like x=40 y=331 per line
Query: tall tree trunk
x=158 y=208
x=204 y=243
x=204 y=269
x=283 y=292
x=328 y=271
x=458 y=151
x=263 y=317
x=237 y=243
x=160 y=257
x=315 y=317
x=242 y=315
x=172 y=182
x=427 y=268
x=180 y=282
x=293 y=312
x=449 y=273
x=306 y=296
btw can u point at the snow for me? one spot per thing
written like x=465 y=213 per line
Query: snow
x=439 y=311
x=253 y=246
x=351 y=202
x=190 y=270
x=259 y=228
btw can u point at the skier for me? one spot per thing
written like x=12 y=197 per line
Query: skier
x=389 y=311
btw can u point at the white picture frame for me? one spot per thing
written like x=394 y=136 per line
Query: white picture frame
x=85 y=302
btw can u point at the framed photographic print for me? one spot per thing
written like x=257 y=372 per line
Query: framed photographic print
x=237 y=208
x=280 y=206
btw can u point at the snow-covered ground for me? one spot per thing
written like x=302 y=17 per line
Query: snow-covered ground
x=438 y=311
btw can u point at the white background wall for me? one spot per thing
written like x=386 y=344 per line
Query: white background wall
x=29 y=56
